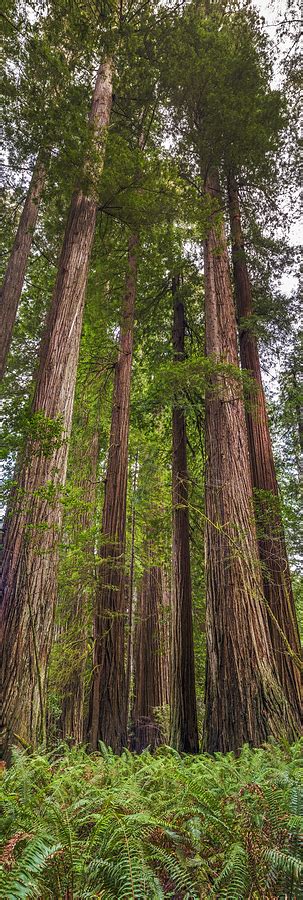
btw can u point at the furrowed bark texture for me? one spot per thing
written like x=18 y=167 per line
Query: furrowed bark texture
x=129 y=656
x=149 y=654
x=244 y=700
x=183 y=712
x=108 y=700
x=16 y=268
x=166 y=637
x=33 y=522
x=86 y=455
x=272 y=547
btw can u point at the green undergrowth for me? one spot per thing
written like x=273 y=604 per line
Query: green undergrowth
x=153 y=826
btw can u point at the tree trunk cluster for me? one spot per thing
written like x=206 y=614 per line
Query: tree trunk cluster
x=33 y=521
x=244 y=698
x=272 y=548
x=252 y=688
x=108 y=700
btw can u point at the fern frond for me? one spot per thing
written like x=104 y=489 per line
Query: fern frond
x=173 y=868
x=285 y=864
x=153 y=826
x=24 y=881
x=234 y=877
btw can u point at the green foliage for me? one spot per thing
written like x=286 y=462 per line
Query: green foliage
x=223 y=93
x=160 y=826
x=27 y=876
x=177 y=382
x=153 y=826
x=44 y=432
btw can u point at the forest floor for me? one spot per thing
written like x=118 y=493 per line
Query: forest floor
x=153 y=826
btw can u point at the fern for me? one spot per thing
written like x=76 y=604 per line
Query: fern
x=173 y=868
x=233 y=880
x=25 y=879
x=285 y=864
x=153 y=826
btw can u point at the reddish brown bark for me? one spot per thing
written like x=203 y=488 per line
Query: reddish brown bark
x=149 y=656
x=273 y=554
x=16 y=268
x=34 y=518
x=129 y=656
x=166 y=638
x=108 y=701
x=244 y=701
x=183 y=712
x=85 y=464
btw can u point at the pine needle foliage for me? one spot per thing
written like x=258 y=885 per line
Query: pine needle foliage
x=153 y=826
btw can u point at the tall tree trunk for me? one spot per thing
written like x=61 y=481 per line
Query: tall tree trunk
x=129 y=657
x=108 y=701
x=272 y=547
x=166 y=641
x=34 y=519
x=298 y=408
x=183 y=712
x=16 y=268
x=244 y=700
x=149 y=687
x=85 y=465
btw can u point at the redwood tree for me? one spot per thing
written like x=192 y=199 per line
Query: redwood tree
x=273 y=554
x=183 y=713
x=108 y=700
x=244 y=700
x=34 y=518
x=16 y=268
x=84 y=478
x=129 y=653
x=149 y=662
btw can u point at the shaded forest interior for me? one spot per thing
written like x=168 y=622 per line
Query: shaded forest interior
x=152 y=440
